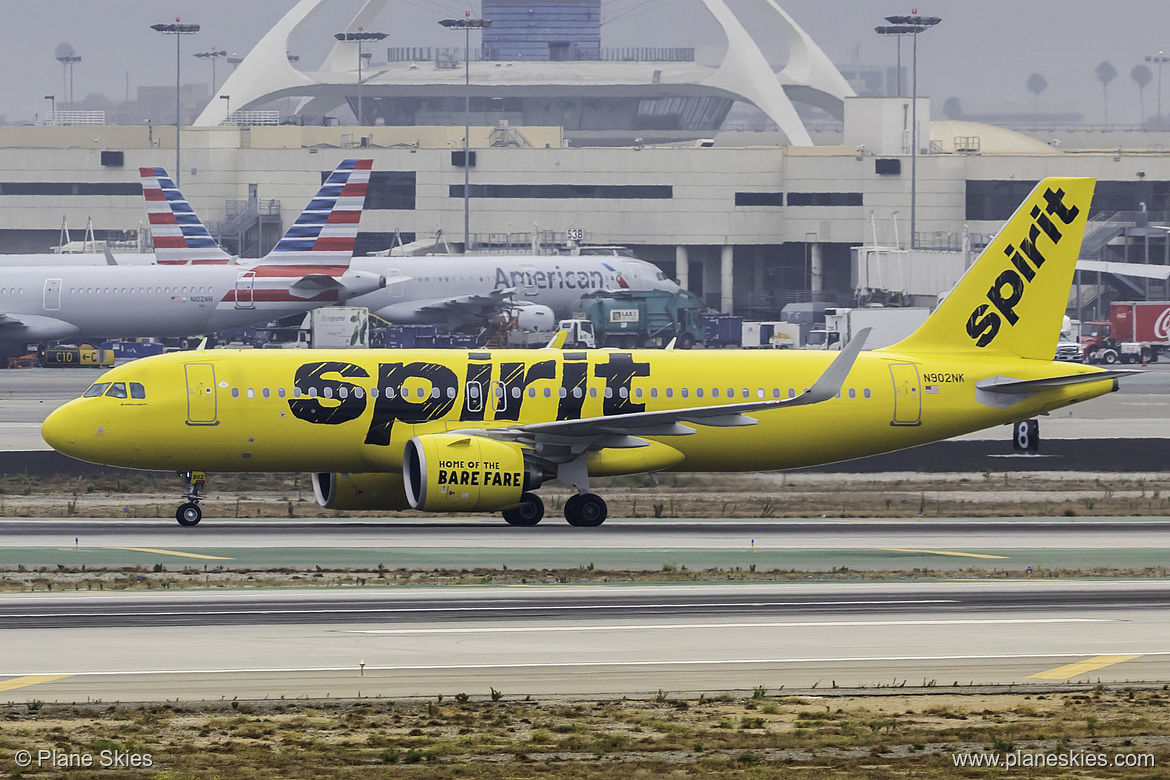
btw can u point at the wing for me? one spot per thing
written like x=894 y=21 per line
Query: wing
x=563 y=440
x=478 y=303
x=34 y=327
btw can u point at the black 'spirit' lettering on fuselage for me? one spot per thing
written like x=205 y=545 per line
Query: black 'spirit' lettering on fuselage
x=618 y=374
x=327 y=411
x=388 y=410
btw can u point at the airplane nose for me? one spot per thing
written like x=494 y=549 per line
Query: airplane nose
x=59 y=430
x=71 y=432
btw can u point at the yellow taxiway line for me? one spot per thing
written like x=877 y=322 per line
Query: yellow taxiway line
x=172 y=552
x=1069 y=671
x=32 y=679
x=945 y=552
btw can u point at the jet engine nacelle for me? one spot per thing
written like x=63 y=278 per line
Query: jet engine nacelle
x=450 y=472
x=360 y=491
x=535 y=316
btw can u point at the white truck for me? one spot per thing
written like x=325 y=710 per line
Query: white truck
x=340 y=327
x=770 y=335
x=889 y=326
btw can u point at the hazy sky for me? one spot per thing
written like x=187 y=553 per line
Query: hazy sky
x=983 y=52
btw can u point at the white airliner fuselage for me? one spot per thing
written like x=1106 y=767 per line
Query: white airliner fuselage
x=59 y=302
x=460 y=290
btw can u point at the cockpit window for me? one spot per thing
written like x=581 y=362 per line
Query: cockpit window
x=95 y=390
x=137 y=390
x=117 y=390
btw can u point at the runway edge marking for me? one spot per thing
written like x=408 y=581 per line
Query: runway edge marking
x=1078 y=668
x=945 y=552
x=172 y=552
x=30 y=679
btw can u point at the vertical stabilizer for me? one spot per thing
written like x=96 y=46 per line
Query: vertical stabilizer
x=1013 y=298
x=180 y=238
x=325 y=233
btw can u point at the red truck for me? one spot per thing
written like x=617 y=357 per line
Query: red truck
x=1137 y=332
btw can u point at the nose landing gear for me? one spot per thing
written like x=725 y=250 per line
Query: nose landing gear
x=189 y=514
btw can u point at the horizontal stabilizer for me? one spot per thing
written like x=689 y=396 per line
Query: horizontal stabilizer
x=312 y=285
x=1009 y=386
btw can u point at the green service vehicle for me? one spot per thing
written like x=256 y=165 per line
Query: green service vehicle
x=627 y=319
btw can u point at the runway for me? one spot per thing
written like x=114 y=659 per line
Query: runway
x=624 y=544
x=579 y=640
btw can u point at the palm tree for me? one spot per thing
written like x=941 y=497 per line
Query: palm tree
x=1106 y=73
x=1141 y=76
x=1036 y=84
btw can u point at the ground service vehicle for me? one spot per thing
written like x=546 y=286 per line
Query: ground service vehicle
x=887 y=326
x=479 y=430
x=628 y=319
x=1137 y=332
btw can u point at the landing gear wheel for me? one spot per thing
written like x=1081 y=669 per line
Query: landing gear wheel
x=529 y=513
x=189 y=514
x=586 y=510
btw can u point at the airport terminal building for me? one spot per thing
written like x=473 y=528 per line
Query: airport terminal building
x=750 y=221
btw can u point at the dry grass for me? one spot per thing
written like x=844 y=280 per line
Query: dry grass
x=753 y=736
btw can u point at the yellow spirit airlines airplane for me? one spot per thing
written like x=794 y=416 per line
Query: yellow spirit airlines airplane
x=478 y=431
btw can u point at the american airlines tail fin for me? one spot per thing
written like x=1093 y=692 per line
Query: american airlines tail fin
x=325 y=233
x=1012 y=299
x=179 y=237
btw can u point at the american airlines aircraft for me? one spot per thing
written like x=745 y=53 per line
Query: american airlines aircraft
x=435 y=290
x=462 y=290
x=308 y=268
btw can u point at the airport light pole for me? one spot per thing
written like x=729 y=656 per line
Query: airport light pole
x=467 y=24
x=212 y=55
x=1158 y=59
x=359 y=37
x=911 y=25
x=178 y=30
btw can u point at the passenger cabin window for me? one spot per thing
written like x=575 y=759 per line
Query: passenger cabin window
x=95 y=390
x=137 y=390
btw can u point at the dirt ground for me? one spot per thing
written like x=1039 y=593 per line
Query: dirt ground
x=754 y=734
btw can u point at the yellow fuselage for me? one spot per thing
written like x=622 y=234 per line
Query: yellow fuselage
x=284 y=411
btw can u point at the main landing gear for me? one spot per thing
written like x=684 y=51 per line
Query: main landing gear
x=586 y=510
x=189 y=514
x=529 y=513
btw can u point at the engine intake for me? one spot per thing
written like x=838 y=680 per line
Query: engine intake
x=448 y=472
x=360 y=491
